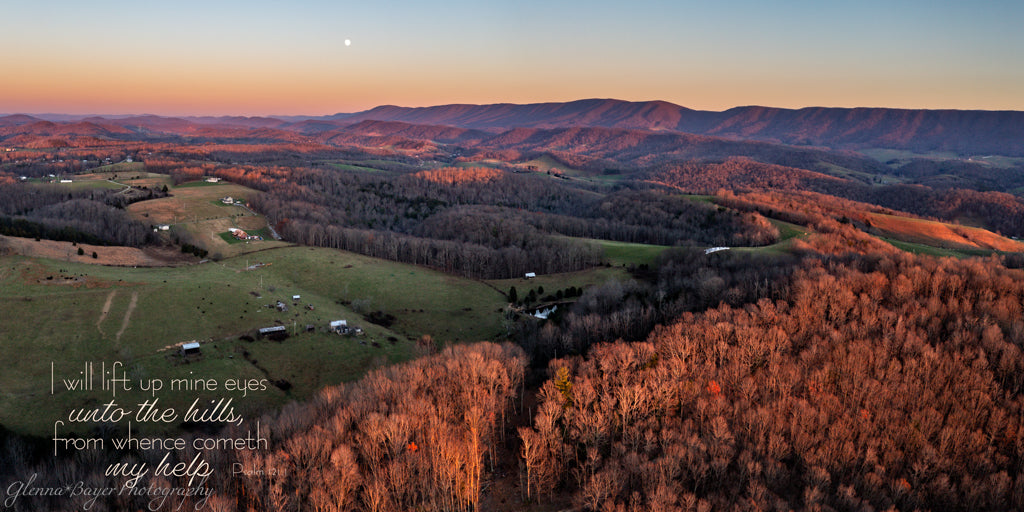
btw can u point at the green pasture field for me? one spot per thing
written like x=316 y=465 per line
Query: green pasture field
x=624 y=253
x=788 y=230
x=69 y=313
x=198 y=184
x=939 y=252
x=355 y=168
x=545 y=163
x=490 y=163
x=554 y=282
x=700 y=198
x=79 y=184
x=779 y=248
x=373 y=166
x=122 y=167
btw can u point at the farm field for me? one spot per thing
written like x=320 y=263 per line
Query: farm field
x=939 y=234
x=139 y=315
x=195 y=209
x=620 y=254
x=554 y=282
x=105 y=255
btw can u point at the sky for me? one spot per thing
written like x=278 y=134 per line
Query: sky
x=263 y=57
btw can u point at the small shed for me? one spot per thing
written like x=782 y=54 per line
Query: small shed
x=190 y=349
x=266 y=331
x=295 y=298
x=530 y=275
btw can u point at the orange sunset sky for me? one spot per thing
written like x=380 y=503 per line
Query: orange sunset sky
x=270 y=57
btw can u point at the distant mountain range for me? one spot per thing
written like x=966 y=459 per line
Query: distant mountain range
x=961 y=131
x=965 y=132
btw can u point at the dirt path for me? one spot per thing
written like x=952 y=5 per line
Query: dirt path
x=128 y=314
x=106 y=310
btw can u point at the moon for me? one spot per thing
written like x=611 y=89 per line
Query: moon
x=348 y=42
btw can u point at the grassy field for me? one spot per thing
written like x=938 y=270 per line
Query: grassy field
x=122 y=168
x=554 y=282
x=545 y=163
x=355 y=168
x=941 y=252
x=939 y=234
x=84 y=184
x=70 y=313
x=105 y=177
x=199 y=184
x=373 y=166
x=902 y=156
x=195 y=208
x=624 y=253
x=788 y=230
x=493 y=164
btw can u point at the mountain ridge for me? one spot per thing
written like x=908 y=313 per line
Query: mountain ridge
x=964 y=132
x=961 y=131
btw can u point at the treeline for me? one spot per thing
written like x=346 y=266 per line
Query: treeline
x=542 y=254
x=878 y=382
x=61 y=214
x=28 y=229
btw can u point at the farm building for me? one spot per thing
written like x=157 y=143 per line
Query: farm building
x=212 y=179
x=530 y=275
x=227 y=200
x=190 y=349
x=242 y=235
x=339 y=326
x=296 y=298
x=266 y=331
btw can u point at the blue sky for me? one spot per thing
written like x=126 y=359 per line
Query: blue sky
x=276 y=57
